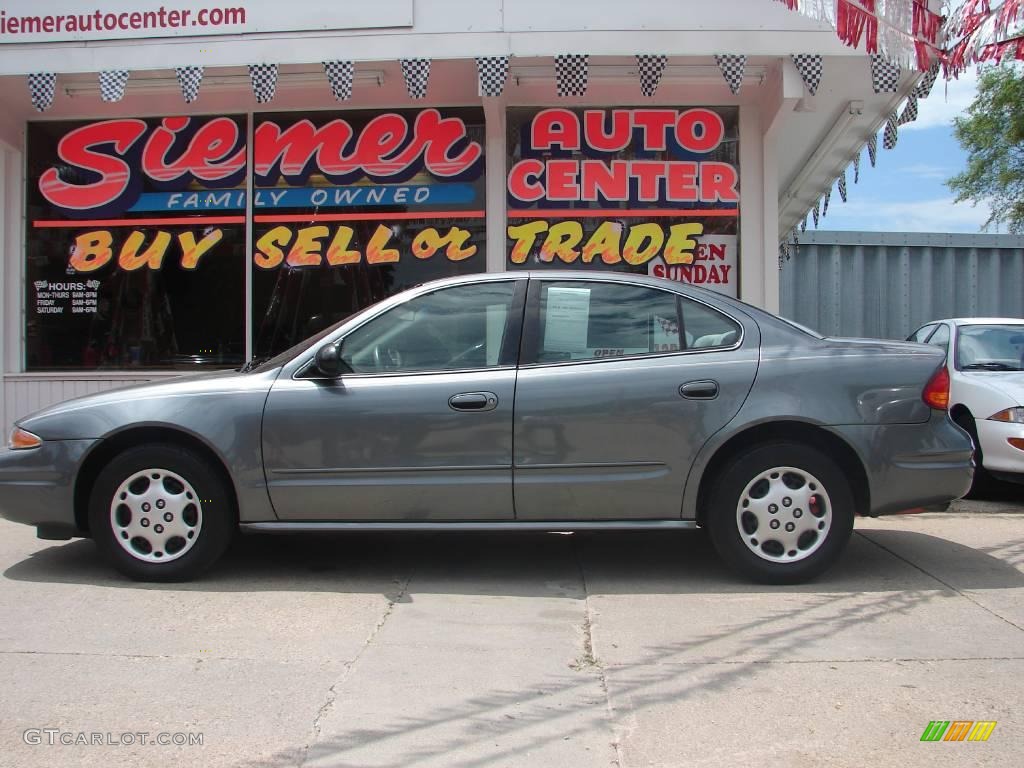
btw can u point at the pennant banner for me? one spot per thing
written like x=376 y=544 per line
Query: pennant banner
x=873 y=148
x=909 y=112
x=856 y=167
x=112 y=84
x=803 y=224
x=891 y=135
x=885 y=75
x=264 y=81
x=492 y=74
x=340 y=75
x=924 y=87
x=732 y=66
x=189 y=79
x=41 y=88
x=824 y=202
x=815 y=213
x=571 y=74
x=842 y=185
x=417 y=74
x=809 y=66
x=651 y=69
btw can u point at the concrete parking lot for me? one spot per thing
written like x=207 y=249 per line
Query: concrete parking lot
x=520 y=650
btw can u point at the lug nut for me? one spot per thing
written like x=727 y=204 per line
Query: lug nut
x=158 y=528
x=145 y=506
x=790 y=527
x=168 y=517
x=160 y=503
x=797 y=512
x=774 y=524
x=787 y=501
x=773 y=508
x=144 y=522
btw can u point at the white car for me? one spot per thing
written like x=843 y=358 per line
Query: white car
x=985 y=365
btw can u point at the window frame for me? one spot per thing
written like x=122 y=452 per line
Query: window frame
x=530 y=345
x=949 y=337
x=508 y=356
x=910 y=338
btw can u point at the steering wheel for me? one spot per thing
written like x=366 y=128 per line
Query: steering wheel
x=386 y=358
x=467 y=353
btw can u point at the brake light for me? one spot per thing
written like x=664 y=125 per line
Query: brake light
x=936 y=391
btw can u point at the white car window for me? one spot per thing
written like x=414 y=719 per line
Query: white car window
x=990 y=348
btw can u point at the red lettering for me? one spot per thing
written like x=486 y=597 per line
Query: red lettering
x=76 y=148
x=523 y=181
x=593 y=126
x=555 y=126
x=682 y=182
x=610 y=181
x=562 y=175
x=718 y=183
x=712 y=130
x=648 y=173
x=655 y=124
x=206 y=156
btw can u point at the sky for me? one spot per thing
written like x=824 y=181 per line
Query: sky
x=906 y=192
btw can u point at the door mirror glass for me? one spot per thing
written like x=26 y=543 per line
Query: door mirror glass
x=328 y=360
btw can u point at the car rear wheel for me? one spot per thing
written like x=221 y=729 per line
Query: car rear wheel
x=159 y=513
x=780 y=512
x=982 y=481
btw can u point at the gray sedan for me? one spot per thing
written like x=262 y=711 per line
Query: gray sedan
x=519 y=401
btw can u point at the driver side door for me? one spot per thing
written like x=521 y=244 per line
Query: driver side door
x=420 y=429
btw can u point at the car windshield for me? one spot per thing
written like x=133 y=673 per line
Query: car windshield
x=990 y=348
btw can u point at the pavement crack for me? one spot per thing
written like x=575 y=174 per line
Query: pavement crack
x=332 y=693
x=944 y=583
x=589 y=660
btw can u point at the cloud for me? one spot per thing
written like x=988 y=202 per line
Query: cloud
x=947 y=100
x=927 y=171
x=935 y=215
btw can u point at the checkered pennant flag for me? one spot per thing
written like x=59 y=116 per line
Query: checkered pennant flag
x=340 y=75
x=112 y=83
x=264 y=81
x=416 y=73
x=816 y=213
x=41 y=87
x=189 y=79
x=651 y=69
x=809 y=66
x=783 y=251
x=842 y=185
x=732 y=66
x=890 y=136
x=873 y=148
x=824 y=202
x=571 y=73
x=885 y=75
x=803 y=224
x=909 y=112
x=924 y=87
x=856 y=167
x=492 y=74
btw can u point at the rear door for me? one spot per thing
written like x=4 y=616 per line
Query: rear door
x=619 y=386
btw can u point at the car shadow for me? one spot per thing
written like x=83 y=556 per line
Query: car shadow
x=530 y=564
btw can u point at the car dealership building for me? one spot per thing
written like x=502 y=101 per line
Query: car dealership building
x=186 y=188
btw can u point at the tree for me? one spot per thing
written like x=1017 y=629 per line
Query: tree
x=992 y=132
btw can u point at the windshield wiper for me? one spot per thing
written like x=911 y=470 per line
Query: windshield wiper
x=256 y=361
x=991 y=366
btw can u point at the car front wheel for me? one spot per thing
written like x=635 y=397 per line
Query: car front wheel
x=159 y=513
x=781 y=513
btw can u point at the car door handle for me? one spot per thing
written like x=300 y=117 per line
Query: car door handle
x=474 y=401
x=705 y=389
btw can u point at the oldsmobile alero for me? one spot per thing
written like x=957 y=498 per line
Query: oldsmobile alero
x=516 y=401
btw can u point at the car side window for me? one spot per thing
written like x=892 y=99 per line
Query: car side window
x=593 y=320
x=457 y=328
x=921 y=333
x=707 y=328
x=940 y=338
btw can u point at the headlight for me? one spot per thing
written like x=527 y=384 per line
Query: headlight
x=21 y=440
x=1010 y=415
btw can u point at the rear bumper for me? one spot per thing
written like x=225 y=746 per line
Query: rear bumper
x=910 y=466
x=37 y=486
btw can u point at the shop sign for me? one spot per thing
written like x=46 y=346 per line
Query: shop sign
x=653 y=188
x=23 y=21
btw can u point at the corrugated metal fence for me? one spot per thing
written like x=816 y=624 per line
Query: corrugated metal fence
x=886 y=285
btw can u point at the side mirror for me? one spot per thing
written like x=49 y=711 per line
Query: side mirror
x=328 y=360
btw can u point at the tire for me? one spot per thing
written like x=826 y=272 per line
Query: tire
x=982 y=482
x=175 y=518
x=755 y=499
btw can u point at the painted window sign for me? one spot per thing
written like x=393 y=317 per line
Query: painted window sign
x=398 y=193
x=645 y=190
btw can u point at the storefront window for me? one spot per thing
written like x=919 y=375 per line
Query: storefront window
x=135 y=244
x=352 y=207
x=648 y=190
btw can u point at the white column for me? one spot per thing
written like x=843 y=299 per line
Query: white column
x=752 y=207
x=494 y=114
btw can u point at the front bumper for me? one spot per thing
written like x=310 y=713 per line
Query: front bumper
x=37 y=486
x=910 y=466
x=997 y=454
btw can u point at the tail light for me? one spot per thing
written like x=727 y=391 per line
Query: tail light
x=936 y=391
